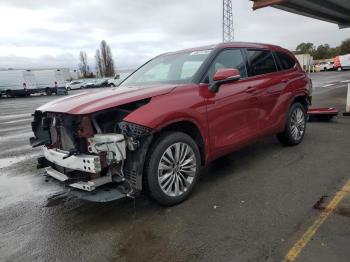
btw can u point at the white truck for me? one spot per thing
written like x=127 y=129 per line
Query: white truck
x=118 y=78
x=17 y=83
x=342 y=62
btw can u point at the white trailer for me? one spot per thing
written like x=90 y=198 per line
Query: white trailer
x=17 y=83
x=50 y=80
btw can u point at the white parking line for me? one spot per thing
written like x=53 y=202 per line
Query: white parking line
x=346 y=81
x=329 y=85
x=16 y=149
x=17 y=121
x=24 y=128
x=22 y=136
x=14 y=116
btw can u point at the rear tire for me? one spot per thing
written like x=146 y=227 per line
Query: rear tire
x=9 y=94
x=172 y=168
x=295 y=128
x=48 y=92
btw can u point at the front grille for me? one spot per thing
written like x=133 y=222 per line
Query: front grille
x=134 y=130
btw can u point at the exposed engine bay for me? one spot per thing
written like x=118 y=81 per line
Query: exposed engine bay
x=99 y=155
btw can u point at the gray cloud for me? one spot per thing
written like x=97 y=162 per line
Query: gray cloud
x=138 y=30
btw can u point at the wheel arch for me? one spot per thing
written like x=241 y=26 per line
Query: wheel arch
x=303 y=99
x=190 y=128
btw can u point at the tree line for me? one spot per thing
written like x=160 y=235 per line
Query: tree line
x=103 y=59
x=324 y=51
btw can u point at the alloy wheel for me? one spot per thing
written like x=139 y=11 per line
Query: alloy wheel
x=177 y=169
x=297 y=124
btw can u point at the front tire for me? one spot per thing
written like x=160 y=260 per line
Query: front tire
x=295 y=127
x=172 y=168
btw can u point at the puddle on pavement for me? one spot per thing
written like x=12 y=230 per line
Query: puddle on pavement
x=56 y=199
x=9 y=161
x=16 y=189
x=145 y=245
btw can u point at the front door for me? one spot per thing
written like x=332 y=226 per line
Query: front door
x=232 y=118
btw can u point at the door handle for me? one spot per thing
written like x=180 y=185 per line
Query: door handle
x=285 y=81
x=250 y=89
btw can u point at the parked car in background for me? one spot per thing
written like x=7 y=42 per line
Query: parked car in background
x=75 y=84
x=325 y=66
x=101 y=82
x=17 y=83
x=89 y=83
x=171 y=117
x=118 y=78
x=342 y=62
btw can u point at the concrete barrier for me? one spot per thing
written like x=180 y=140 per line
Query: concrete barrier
x=348 y=100
x=347 y=111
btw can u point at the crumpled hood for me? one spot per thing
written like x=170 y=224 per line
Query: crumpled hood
x=89 y=101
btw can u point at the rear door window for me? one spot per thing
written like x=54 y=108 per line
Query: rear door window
x=285 y=61
x=261 y=62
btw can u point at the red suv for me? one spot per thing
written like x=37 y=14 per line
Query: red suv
x=172 y=116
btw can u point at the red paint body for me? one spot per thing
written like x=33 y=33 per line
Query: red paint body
x=238 y=114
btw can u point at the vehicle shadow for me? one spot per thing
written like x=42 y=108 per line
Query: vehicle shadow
x=140 y=229
x=125 y=209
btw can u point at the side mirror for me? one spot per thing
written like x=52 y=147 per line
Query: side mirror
x=223 y=76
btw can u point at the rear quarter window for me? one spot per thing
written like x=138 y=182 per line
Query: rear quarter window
x=285 y=61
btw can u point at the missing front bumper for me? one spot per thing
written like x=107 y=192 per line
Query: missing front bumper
x=97 y=190
x=85 y=163
x=86 y=186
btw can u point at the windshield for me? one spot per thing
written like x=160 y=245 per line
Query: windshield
x=178 y=68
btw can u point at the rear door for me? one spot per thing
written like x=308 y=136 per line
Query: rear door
x=267 y=85
x=59 y=78
x=345 y=61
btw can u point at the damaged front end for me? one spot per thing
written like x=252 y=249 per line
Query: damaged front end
x=99 y=156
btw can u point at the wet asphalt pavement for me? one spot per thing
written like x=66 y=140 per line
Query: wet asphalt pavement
x=249 y=206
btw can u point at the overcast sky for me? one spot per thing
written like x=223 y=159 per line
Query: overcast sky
x=50 y=33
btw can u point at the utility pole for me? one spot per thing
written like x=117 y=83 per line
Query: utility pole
x=227 y=25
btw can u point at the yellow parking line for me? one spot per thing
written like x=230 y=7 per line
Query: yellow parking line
x=304 y=240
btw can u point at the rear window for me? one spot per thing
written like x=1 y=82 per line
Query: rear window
x=285 y=61
x=261 y=62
